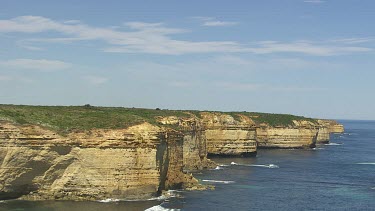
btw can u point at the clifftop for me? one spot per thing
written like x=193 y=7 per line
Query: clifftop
x=65 y=119
x=96 y=153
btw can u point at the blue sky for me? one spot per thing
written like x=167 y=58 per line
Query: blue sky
x=307 y=57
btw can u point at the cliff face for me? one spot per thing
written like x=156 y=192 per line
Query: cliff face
x=140 y=161
x=333 y=126
x=137 y=162
x=286 y=137
x=229 y=137
x=303 y=134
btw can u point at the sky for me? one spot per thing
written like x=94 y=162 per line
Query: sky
x=306 y=57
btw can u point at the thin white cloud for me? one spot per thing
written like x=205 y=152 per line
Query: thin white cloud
x=246 y=87
x=354 y=40
x=72 y=22
x=35 y=64
x=5 y=78
x=314 y=1
x=210 y=21
x=180 y=84
x=96 y=80
x=234 y=60
x=239 y=86
x=307 y=47
x=219 y=23
x=155 y=38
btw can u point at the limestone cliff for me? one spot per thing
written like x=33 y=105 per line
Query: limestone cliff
x=229 y=137
x=333 y=126
x=75 y=153
x=138 y=162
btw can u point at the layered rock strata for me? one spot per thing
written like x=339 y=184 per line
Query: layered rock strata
x=137 y=162
x=133 y=163
x=229 y=137
x=333 y=126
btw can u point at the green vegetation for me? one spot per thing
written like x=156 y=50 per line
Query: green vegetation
x=65 y=119
x=271 y=119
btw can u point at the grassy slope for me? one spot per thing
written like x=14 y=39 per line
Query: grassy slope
x=66 y=118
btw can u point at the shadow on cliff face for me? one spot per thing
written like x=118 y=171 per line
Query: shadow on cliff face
x=169 y=157
x=163 y=162
x=23 y=184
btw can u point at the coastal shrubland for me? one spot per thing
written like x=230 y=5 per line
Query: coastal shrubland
x=65 y=119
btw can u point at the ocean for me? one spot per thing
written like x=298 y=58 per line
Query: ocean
x=335 y=176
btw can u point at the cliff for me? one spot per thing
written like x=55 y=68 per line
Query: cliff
x=229 y=137
x=94 y=153
x=133 y=163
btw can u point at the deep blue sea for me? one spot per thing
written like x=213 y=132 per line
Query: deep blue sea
x=338 y=176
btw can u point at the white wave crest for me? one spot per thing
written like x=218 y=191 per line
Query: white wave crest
x=109 y=200
x=168 y=194
x=218 y=168
x=223 y=165
x=218 y=181
x=333 y=144
x=365 y=163
x=271 y=166
x=158 y=208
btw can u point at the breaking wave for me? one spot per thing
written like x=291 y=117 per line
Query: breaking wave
x=158 y=208
x=271 y=166
x=167 y=195
x=218 y=168
x=365 y=163
x=109 y=200
x=333 y=144
x=218 y=181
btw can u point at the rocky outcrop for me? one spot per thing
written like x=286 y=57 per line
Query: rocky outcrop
x=286 y=138
x=138 y=162
x=194 y=154
x=229 y=137
x=332 y=125
x=302 y=134
x=323 y=135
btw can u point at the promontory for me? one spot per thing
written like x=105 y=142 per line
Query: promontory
x=95 y=153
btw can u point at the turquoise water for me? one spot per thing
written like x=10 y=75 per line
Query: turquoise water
x=339 y=176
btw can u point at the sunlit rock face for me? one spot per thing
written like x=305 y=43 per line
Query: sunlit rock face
x=137 y=162
x=227 y=136
x=286 y=137
x=133 y=163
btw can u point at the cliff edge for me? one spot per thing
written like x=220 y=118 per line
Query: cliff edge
x=95 y=153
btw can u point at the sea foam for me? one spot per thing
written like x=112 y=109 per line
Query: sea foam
x=218 y=168
x=158 y=208
x=333 y=144
x=218 y=181
x=109 y=200
x=271 y=166
x=166 y=195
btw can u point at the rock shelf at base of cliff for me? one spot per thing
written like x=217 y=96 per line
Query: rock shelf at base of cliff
x=98 y=153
